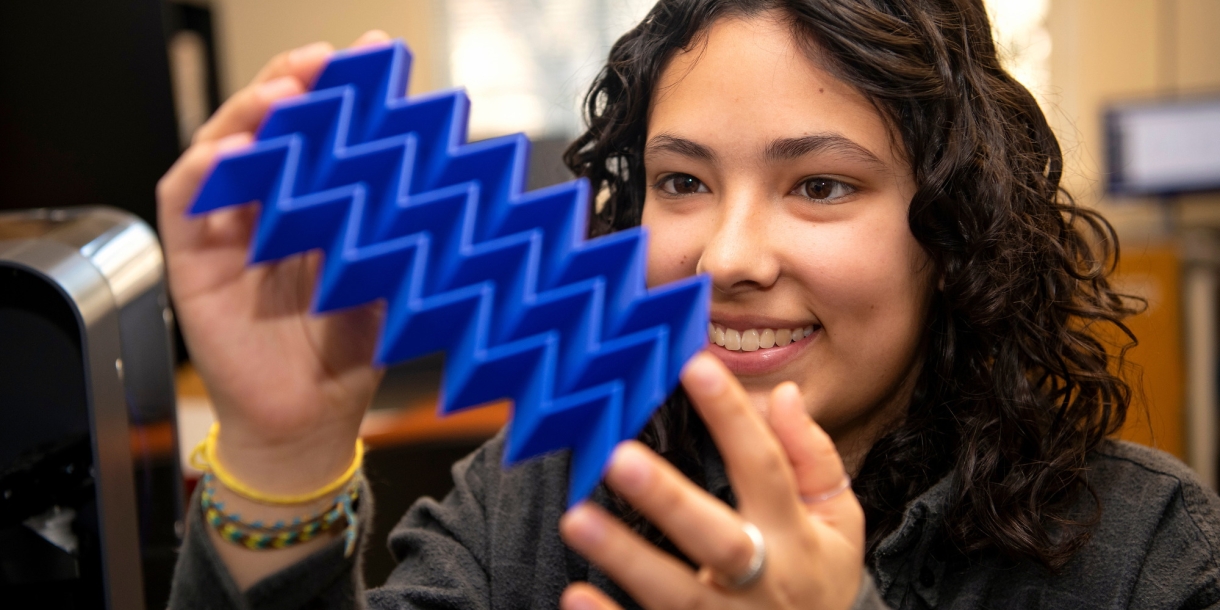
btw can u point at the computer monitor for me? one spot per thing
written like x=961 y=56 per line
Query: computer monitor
x=1163 y=147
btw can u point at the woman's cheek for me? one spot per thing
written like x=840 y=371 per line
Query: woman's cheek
x=873 y=309
x=876 y=272
x=673 y=248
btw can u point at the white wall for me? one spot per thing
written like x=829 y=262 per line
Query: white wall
x=1112 y=50
x=250 y=32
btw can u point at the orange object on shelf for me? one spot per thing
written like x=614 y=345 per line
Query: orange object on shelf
x=1157 y=377
x=154 y=441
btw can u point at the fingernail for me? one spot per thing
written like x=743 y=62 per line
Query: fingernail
x=583 y=527
x=374 y=36
x=309 y=52
x=279 y=87
x=232 y=141
x=629 y=470
x=578 y=602
x=788 y=392
x=703 y=376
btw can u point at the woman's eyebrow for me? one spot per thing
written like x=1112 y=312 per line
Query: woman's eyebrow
x=787 y=149
x=672 y=144
x=784 y=149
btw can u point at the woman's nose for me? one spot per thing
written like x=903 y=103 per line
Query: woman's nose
x=740 y=255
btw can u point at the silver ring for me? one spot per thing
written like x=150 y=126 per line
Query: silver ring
x=758 y=561
x=843 y=486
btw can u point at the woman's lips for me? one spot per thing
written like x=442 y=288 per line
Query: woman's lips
x=764 y=360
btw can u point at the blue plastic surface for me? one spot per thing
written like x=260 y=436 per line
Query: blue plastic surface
x=501 y=280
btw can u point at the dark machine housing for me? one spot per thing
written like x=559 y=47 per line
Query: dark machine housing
x=90 y=488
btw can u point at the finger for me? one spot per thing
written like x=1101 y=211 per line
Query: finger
x=177 y=188
x=703 y=527
x=753 y=459
x=301 y=63
x=371 y=38
x=584 y=596
x=288 y=73
x=646 y=573
x=246 y=108
x=816 y=464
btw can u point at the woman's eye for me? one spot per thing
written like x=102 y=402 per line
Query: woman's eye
x=823 y=189
x=681 y=184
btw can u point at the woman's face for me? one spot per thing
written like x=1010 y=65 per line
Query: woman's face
x=786 y=186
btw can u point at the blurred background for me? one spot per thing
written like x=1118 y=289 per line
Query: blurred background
x=98 y=98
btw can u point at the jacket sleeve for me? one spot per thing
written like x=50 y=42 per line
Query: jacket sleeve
x=441 y=549
x=325 y=579
x=1181 y=568
x=493 y=542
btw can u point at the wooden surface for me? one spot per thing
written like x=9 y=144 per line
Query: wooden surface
x=420 y=423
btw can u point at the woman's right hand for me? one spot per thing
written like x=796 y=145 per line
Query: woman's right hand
x=289 y=387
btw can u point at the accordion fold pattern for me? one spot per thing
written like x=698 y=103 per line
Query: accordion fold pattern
x=501 y=280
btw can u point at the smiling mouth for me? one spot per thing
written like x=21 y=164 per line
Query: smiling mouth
x=754 y=339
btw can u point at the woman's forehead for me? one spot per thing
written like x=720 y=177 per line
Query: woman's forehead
x=747 y=83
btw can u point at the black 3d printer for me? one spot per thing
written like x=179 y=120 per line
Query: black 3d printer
x=91 y=494
x=90 y=488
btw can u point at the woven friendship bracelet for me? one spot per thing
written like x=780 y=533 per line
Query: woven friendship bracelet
x=217 y=516
x=204 y=458
x=257 y=535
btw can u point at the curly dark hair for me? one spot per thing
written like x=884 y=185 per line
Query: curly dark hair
x=1017 y=387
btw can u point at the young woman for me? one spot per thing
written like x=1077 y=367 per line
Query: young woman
x=878 y=205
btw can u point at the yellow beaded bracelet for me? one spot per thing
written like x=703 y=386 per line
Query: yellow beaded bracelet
x=204 y=458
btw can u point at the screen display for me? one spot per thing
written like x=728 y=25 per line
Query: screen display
x=1164 y=148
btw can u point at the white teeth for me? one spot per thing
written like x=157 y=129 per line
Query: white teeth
x=732 y=340
x=783 y=337
x=766 y=338
x=754 y=339
x=749 y=341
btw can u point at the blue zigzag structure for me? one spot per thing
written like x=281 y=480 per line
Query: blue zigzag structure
x=467 y=263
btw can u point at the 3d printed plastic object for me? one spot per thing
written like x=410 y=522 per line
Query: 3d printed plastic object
x=501 y=280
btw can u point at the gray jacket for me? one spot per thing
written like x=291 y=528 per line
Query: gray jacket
x=493 y=543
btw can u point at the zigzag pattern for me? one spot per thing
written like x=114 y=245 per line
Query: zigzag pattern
x=501 y=280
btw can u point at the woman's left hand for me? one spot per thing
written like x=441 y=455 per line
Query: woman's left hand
x=784 y=470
